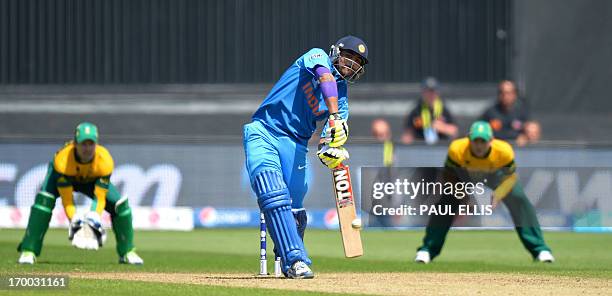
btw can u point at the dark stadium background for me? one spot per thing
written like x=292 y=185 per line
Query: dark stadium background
x=174 y=81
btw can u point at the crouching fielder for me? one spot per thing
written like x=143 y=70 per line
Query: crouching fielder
x=477 y=158
x=82 y=166
x=313 y=88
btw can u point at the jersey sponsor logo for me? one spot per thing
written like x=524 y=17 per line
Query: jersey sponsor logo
x=316 y=56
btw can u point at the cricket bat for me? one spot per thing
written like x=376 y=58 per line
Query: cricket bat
x=345 y=204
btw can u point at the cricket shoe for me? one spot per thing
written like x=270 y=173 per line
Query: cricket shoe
x=131 y=258
x=299 y=270
x=27 y=257
x=545 y=256
x=422 y=257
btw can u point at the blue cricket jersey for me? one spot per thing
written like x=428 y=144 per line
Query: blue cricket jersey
x=295 y=103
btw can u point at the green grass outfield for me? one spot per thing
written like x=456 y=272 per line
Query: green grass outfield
x=236 y=251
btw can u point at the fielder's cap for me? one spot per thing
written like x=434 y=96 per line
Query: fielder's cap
x=354 y=44
x=430 y=83
x=481 y=130
x=86 y=131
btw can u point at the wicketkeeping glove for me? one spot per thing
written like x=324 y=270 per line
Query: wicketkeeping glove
x=337 y=131
x=93 y=220
x=332 y=156
x=75 y=225
x=87 y=233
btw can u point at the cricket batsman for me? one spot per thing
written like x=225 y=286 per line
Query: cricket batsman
x=481 y=156
x=313 y=88
x=84 y=166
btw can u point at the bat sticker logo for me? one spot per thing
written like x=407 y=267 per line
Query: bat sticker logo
x=343 y=188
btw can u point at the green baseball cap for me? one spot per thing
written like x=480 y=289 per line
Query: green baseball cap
x=86 y=131
x=481 y=130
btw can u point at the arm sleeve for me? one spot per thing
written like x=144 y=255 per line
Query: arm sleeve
x=100 y=191
x=65 y=189
x=329 y=88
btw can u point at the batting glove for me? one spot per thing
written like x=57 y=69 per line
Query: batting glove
x=332 y=157
x=337 y=131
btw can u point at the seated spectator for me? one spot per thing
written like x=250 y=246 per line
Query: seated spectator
x=430 y=120
x=509 y=117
